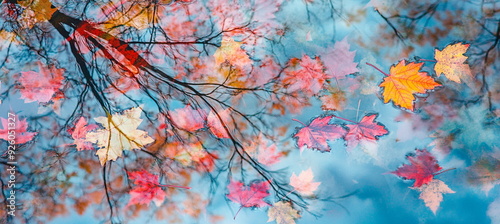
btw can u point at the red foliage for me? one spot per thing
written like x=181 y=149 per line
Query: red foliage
x=248 y=196
x=366 y=129
x=423 y=168
x=315 y=134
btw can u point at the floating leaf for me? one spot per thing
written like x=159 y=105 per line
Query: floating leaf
x=432 y=193
x=404 y=81
x=283 y=213
x=304 y=182
x=450 y=62
x=423 y=166
x=317 y=133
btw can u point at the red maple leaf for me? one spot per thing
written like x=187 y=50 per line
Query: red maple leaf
x=248 y=196
x=422 y=169
x=19 y=130
x=366 y=129
x=315 y=134
x=147 y=188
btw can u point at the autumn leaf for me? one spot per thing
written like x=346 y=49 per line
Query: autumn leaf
x=306 y=75
x=40 y=86
x=264 y=150
x=303 y=183
x=366 y=129
x=20 y=128
x=339 y=61
x=79 y=134
x=147 y=188
x=335 y=100
x=215 y=125
x=43 y=9
x=248 y=196
x=283 y=213
x=188 y=119
x=404 y=81
x=317 y=133
x=189 y=153
x=423 y=167
x=432 y=193
x=450 y=62
x=120 y=133
x=231 y=51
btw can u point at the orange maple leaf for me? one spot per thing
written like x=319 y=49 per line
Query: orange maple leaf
x=404 y=81
x=450 y=62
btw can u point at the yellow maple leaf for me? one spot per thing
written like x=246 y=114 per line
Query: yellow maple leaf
x=283 y=213
x=231 y=51
x=120 y=133
x=450 y=62
x=43 y=9
x=404 y=81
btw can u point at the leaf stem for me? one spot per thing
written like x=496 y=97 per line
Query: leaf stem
x=299 y=121
x=161 y=185
x=346 y=119
x=420 y=59
x=237 y=212
x=375 y=67
x=444 y=171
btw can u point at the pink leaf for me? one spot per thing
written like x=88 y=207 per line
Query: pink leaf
x=188 y=119
x=20 y=129
x=308 y=76
x=215 y=125
x=79 y=134
x=339 y=61
x=303 y=183
x=248 y=196
x=366 y=129
x=317 y=133
x=40 y=86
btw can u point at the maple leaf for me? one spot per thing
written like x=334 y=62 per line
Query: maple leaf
x=423 y=168
x=79 y=134
x=308 y=76
x=231 y=52
x=189 y=153
x=450 y=62
x=120 y=133
x=303 y=183
x=432 y=193
x=40 y=86
x=404 y=81
x=268 y=155
x=283 y=213
x=188 y=119
x=336 y=100
x=21 y=134
x=248 y=196
x=215 y=125
x=366 y=129
x=147 y=188
x=339 y=61
x=42 y=9
x=317 y=133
